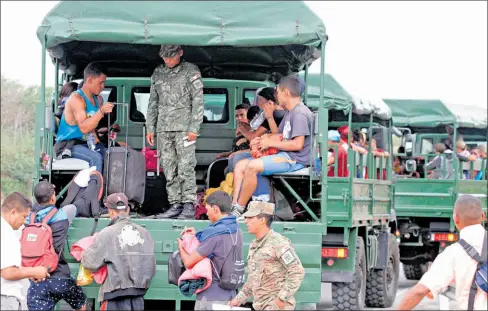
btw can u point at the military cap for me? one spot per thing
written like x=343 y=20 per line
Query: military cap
x=256 y=208
x=169 y=50
x=117 y=201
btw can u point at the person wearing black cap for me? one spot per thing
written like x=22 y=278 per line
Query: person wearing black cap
x=127 y=250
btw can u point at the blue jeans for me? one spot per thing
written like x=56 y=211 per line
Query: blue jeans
x=94 y=158
x=279 y=163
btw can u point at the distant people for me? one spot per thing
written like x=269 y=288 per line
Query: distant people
x=15 y=209
x=441 y=165
x=80 y=119
x=240 y=142
x=127 y=250
x=454 y=264
x=60 y=285
x=341 y=155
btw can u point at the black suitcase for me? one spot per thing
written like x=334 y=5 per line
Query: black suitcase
x=125 y=170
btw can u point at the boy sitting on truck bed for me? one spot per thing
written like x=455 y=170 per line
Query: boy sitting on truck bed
x=294 y=148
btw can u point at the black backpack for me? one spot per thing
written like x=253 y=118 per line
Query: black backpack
x=231 y=276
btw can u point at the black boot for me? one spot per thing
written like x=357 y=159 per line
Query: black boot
x=188 y=211
x=173 y=211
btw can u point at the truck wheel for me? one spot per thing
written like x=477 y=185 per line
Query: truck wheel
x=351 y=296
x=381 y=285
x=413 y=272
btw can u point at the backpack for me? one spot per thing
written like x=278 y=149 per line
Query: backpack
x=86 y=199
x=231 y=276
x=36 y=243
x=480 y=276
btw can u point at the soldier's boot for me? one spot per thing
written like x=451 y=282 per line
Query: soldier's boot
x=188 y=211
x=173 y=212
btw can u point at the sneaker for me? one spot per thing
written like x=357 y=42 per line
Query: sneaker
x=237 y=210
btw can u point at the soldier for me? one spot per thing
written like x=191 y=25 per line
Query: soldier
x=274 y=270
x=176 y=111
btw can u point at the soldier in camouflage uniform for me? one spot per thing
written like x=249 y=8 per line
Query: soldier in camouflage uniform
x=175 y=111
x=274 y=270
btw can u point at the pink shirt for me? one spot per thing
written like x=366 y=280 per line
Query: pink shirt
x=455 y=266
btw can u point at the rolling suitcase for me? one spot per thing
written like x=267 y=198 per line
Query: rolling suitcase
x=125 y=169
x=156 y=196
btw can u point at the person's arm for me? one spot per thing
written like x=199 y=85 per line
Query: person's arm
x=268 y=113
x=244 y=294
x=10 y=262
x=203 y=250
x=436 y=163
x=152 y=107
x=197 y=107
x=438 y=277
x=300 y=128
x=223 y=154
x=14 y=273
x=85 y=124
x=250 y=135
x=294 y=272
x=94 y=256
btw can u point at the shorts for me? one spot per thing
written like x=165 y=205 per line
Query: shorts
x=279 y=163
x=46 y=294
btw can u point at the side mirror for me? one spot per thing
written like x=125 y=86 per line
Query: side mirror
x=409 y=140
x=410 y=166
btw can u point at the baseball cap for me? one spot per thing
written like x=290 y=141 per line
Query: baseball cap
x=169 y=50
x=334 y=136
x=117 y=201
x=256 y=208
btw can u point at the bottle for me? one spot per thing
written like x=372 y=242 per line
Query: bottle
x=90 y=141
x=257 y=120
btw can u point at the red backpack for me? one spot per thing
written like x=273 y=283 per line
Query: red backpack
x=36 y=243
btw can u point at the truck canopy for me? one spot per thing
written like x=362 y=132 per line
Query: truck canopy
x=342 y=100
x=434 y=112
x=254 y=40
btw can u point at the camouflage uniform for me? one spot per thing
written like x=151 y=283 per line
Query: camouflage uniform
x=176 y=107
x=274 y=269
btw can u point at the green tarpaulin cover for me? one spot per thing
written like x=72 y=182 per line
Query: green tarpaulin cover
x=434 y=112
x=274 y=38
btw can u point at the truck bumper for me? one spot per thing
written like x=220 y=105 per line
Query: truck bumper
x=337 y=277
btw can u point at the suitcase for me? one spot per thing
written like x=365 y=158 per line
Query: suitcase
x=125 y=169
x=156 y=196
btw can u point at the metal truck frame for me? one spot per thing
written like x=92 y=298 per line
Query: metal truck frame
x=348 y=240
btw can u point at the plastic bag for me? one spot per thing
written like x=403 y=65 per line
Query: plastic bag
x=175 y=268
x=84 y=277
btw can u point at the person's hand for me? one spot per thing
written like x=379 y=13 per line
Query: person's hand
x=180 y=243
x=268 y=109
x=243 y=127
x=107 y=108
x=150 y=138
x=279 y=303
x=234 y=303
x=192 y=136
x=190 y=230
x=264 y=142
x=220 y=155
x=39 y=273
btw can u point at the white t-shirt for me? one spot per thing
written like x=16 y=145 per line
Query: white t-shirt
x=10 y=257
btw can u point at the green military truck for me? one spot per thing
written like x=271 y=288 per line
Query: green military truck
x=423 y=205
x=342 y=227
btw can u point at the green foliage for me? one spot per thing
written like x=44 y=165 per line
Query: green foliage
x=17 y=135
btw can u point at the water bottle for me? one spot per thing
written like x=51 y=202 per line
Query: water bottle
x=257 y=120
x=90 y=141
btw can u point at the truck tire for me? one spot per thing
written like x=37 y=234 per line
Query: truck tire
x=351 y=296
x=413 y=272
x=381 y=285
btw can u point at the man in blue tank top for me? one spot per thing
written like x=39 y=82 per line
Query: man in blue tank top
x=81 y=116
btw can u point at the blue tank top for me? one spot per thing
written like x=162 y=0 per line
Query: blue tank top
x=69 y=132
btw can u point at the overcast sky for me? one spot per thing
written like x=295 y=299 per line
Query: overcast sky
x=377 y=49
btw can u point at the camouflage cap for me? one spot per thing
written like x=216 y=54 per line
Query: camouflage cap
x=117 y=201
x=256 y=208
x=169 y=50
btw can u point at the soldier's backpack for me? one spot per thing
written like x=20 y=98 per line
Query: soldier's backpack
x=231 y=275
x=480 y=279
x=36 y=243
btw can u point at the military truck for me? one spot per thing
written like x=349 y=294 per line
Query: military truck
x=342 y=228
x=423 y=205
